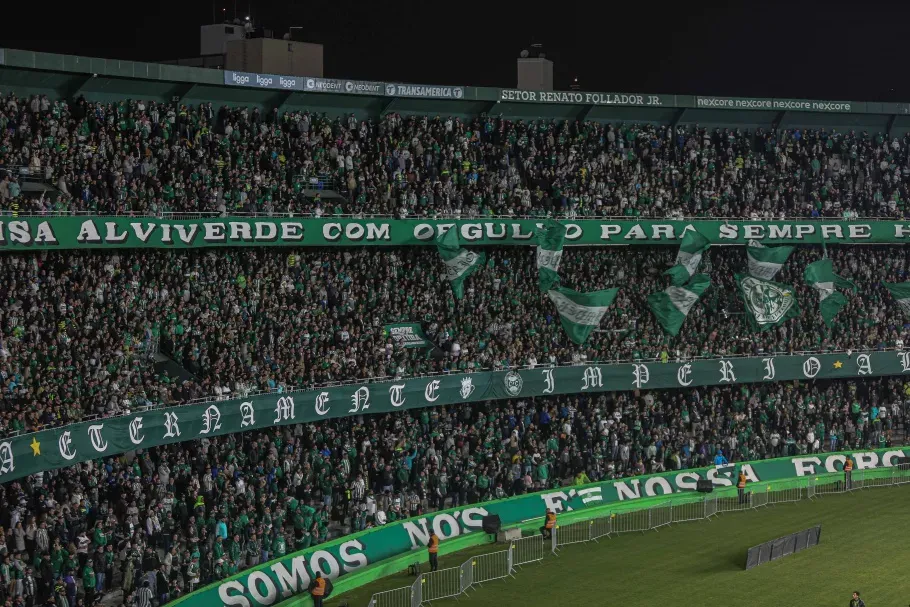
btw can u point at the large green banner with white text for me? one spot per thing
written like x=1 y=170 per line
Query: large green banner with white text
x=124 y=232
x=277 y=580
x=68 y=445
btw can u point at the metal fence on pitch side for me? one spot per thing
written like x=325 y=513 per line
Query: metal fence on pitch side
x=503 y=564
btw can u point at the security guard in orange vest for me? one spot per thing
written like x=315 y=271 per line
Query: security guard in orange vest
x=317 y=590
x=549 y=525
x=433 y=549
x=848 y=473
x=741 y=487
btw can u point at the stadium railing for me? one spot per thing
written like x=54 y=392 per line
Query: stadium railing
x=477 y=570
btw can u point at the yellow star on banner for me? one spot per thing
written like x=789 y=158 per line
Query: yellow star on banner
x=36 y=447
x=838 y=364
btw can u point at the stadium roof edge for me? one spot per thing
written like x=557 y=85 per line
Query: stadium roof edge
x=487 y=98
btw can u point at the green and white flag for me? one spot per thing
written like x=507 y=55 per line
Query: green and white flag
x=691 y=249
x=672 y=305
x=821 y=277
x=459 y=263
x=766 y=262
x=581 y=313
x=767 y=303
x=900 y=291
x=550 y=241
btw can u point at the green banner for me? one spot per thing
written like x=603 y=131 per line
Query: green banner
x=408 y=335
x=124 y=232
x=68 y=445
x=277 y=580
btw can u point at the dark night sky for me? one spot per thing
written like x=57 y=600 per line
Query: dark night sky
x=824 y=50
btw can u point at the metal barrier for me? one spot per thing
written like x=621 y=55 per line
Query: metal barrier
x=660 y=516
x=494 y=566
x=441 y=584
x=527 y=550
x=691 y=511
x=400 y=597
x=576 y=533
x=632 y=521
x=454 y=581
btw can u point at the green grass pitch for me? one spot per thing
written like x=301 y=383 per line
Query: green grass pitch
x=865 y=546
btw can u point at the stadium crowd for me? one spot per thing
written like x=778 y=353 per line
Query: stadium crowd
x=137 y=157
x=193 y=512
x=75 y=325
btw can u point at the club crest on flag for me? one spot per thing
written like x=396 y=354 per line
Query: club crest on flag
x=768 y=302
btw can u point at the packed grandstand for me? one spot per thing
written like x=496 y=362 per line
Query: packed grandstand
x=95 y=335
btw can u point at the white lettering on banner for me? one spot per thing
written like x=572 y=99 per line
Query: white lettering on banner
x=429 y=393
x=657 y=482
x=360 y=400
x=811 y=367
x=628 y=490
x=395 y=395
x=548 y=378
x=290 y=582
x=135 y=427
x=578 y=98
x=865 y=460
x=98 y=442
x=414 y=90
x=831 y=463
x=865 y=364
x=593 y=378
x=352 y=556
x=684 y=374
x=467 y=387
x=240 y=79
x=641 y=375
x=889 y=456
x=904 y=357
x=65 y=442
x=7 y=461
x=720 y=478
x=356 y=232
x=687 y=481
x=321 y=402
x=233 y=600
x=172 y=429
x=555 y=501
x=248 y=413
x=284 y=410
x=749 y=473
x=588 y=495
x=323 y=562
x=261 y=588
x=211 y=420
x=769 y=369
x=444 y=525
x=726 y=371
